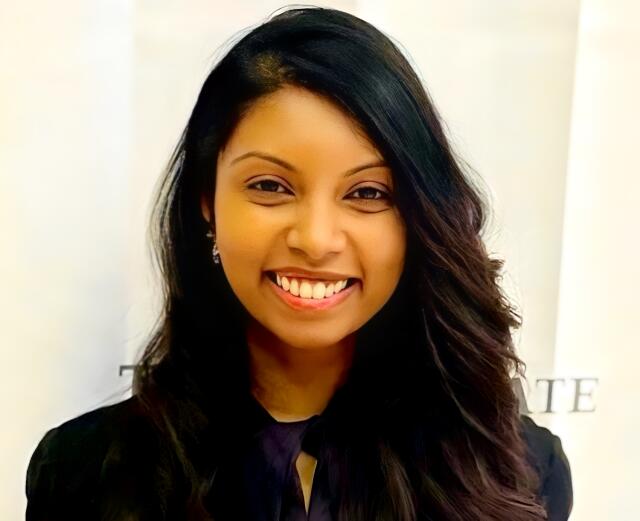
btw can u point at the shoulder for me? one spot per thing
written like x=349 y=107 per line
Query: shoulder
x=86 y=436
x=77 y=463
x=546 y=455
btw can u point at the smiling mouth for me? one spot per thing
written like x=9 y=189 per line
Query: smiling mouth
x=274 y=278
x=314 y=302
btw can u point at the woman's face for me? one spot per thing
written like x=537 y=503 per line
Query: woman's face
x=299 y=189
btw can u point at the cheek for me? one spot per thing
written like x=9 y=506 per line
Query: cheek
x=386 y=246
x=243 y=238
x=383 y=257
x=240 y=225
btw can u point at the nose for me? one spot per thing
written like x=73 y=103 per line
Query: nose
x=317 y=230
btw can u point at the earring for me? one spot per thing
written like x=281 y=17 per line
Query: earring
x=214 y=251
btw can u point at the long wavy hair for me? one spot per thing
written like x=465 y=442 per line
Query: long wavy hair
x=430 y=427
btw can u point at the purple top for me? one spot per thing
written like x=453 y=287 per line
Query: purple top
x=271 y=481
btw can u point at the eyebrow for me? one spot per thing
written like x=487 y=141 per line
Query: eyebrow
x=288 y=166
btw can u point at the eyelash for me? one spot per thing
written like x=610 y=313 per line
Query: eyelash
x=385 y=195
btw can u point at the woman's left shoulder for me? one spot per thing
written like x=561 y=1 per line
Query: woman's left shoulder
x=547 y=456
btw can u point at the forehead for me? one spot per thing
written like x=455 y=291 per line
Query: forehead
x=297 y=122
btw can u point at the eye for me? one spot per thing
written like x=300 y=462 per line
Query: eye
x=373 y=191
x=367 y=193
x=266 y=183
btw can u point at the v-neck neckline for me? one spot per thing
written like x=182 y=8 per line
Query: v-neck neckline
x=271 y=419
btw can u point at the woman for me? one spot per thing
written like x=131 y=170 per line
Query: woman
x=334 y=342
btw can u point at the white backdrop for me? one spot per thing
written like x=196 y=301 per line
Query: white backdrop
x=539 y=96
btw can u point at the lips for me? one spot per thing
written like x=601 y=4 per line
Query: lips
x=312 y=304
x=306 y=287
x=301 y=273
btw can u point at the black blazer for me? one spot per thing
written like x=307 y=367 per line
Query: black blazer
x=78 y=472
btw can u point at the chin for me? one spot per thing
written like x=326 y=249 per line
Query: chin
x=317 y=344
x=310 y=341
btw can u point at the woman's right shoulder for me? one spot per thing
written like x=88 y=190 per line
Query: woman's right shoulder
x=79 y=457
x=87 y=433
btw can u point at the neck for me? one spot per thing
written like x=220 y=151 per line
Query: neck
x=295 y=383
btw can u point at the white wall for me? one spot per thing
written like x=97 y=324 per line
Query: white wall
x=539 y=96
x=65 y=137
x=598 y=307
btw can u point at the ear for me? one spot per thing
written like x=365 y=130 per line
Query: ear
x=204 y=208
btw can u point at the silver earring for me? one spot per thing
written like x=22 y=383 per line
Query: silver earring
x=214 y=251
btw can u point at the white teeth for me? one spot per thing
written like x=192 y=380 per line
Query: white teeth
x=310 y=289
x=305 y=290
x=318 y=290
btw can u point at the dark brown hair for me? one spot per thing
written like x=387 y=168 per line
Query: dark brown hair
x=429 y=427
